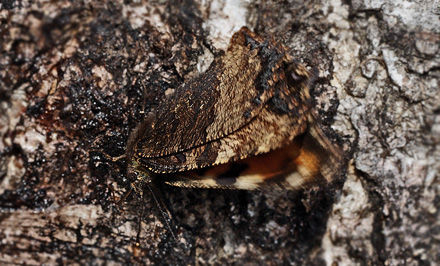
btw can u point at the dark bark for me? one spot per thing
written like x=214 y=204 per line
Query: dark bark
x=76 y=78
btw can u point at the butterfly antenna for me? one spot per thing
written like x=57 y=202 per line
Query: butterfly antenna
x=162 y=208
x=107 y=156
x=167 y=217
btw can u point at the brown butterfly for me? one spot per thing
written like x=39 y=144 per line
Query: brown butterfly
x=251 y=110
x=246 y=123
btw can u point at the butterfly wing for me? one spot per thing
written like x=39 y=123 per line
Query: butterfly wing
x=309 y=160
x=232 y=92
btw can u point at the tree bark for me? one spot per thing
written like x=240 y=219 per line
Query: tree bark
x=77 y=77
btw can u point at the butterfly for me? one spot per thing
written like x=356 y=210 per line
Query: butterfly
x=248 y=122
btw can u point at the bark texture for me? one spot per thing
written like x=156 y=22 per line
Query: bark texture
x=77 y=76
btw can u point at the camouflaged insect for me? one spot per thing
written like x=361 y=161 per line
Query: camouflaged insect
x=246 y=123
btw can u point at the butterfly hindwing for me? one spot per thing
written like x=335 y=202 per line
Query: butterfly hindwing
x=305 y=162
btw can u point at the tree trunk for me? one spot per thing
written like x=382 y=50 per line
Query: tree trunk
x=78 y=76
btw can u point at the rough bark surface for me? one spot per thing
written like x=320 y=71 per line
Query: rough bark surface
x=77 y=76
